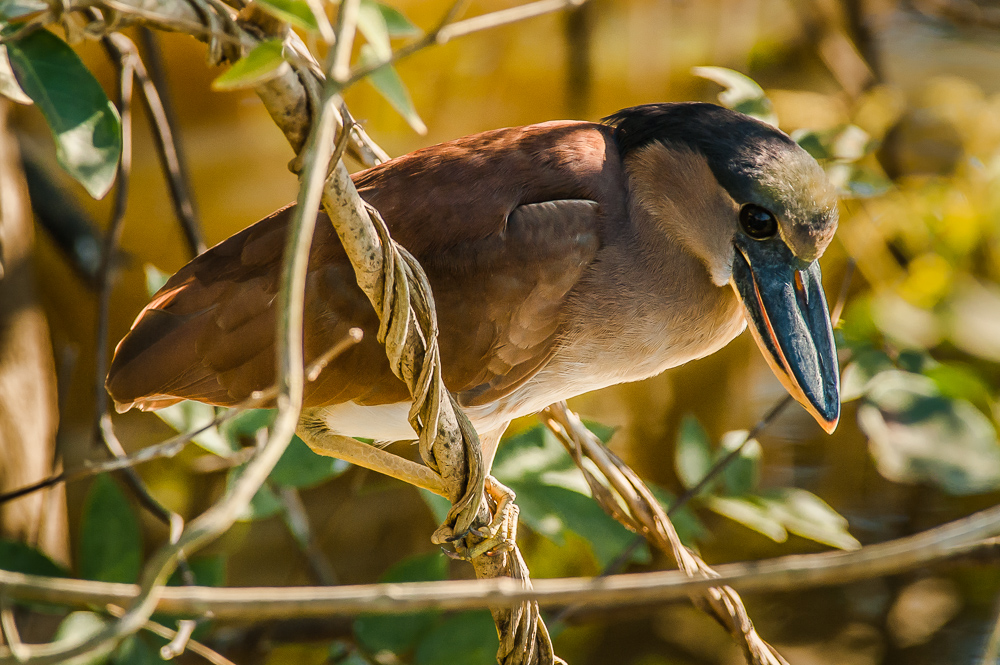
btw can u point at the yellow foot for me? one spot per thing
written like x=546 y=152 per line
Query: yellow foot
x=500 y=535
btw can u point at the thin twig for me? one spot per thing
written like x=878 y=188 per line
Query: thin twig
x=172 y=446
x=621 y=493
x=449 y=29
x=298 y=524
x=347 y=24
x=10 y=633
x=168 y=143
x=290 y=372
x=972 y=537
x=166 y=633
x=991 y=652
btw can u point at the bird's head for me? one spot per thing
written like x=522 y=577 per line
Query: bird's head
x=758 y=211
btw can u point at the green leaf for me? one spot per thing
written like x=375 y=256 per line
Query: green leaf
x=135 y=650
x=399 y=633
x=391 y=87
x=693 y=456
x=243 y=428
x=207 y=570
x=372 y=25
x=741 y=93
x=79 y=627
x=554 y=497
x=155 y=279
x=84 y=123
x=9 y=87
x=438 y=504
x=263 y=63
x=742 y=474
x=687 y=524
x=16 y=11
x=264 y=503
x=188 y=415
x=110 y=542
x=397 y=24
x=865 y=366
x=749 y=512
x=300 y=467
x=600 y=430
x=469 y=638
x=959 y=382
x=917 y=435
x=806 y=515
x=296 y=12
x=18 y=557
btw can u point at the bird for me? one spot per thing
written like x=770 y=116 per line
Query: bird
x=564 y=257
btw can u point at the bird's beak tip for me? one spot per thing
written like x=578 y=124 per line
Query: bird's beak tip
x=788 y=317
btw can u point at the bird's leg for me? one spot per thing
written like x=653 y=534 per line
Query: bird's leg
x=318 y=436
x=501 y=533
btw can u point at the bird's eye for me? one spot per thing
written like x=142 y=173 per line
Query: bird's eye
x=758 y=223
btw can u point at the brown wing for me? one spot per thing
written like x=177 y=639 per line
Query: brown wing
x=505 y=224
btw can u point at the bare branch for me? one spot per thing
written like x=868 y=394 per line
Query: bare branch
x=972 y=536
x=168 y=144
x=448 y=30
x=194 y=646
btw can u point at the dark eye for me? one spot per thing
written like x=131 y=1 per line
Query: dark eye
x=758 y=223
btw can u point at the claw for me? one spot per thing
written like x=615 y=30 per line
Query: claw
x=498 y=536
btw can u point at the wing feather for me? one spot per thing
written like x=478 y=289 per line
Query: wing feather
x=504 y=241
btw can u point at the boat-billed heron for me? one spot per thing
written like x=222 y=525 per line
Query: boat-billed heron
x=564 y=257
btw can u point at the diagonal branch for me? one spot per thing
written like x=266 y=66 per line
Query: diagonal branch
x=626 y=498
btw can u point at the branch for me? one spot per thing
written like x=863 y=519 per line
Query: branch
x=449 y=29
x=172 y=446
x=973 y=537
x=625 y=497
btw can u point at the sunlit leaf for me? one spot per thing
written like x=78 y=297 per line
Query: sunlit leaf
x=9 y=87
x=78 y=627
x=397 y=24
x=188 y=415
x=959 y=382
x=399 y=633
x=693 y=456
x=750 y=513
x=439 y=506
x=84 y=123
x=742 y=473
x=263 y=63
x=918 y=435
x=553 y=495
x=864 y=366
x=155 y=279
x=806 y=515
x=372 y=25
x=469 y=638
x=741 y=93
x=296 y=12
x=975 y=319
x=391 y=87
x=687 y=524
x=16 y=11
x=110 y=542
x=300 y=467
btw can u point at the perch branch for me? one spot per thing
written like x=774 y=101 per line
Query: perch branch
x=972 y=537
x=626 y=498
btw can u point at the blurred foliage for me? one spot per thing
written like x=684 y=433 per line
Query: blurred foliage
x=917 y=161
